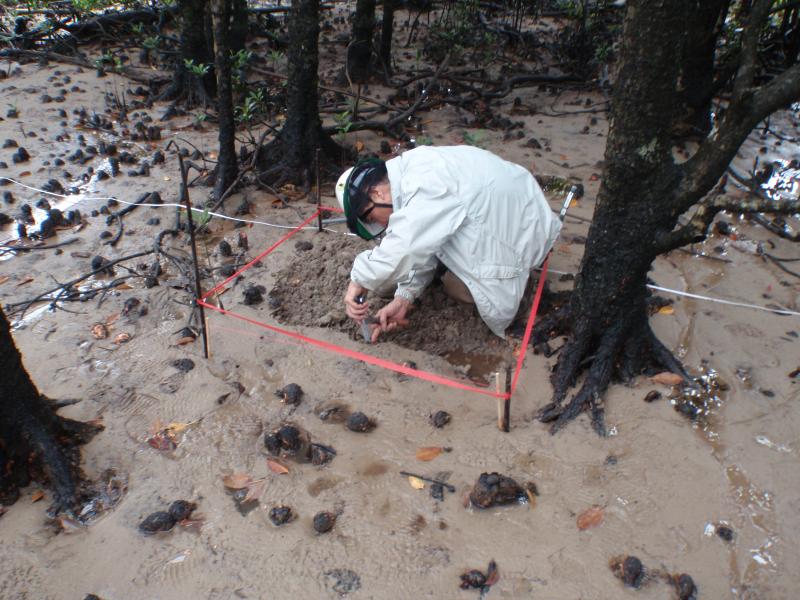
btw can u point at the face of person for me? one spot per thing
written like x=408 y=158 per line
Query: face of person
x=379 y=208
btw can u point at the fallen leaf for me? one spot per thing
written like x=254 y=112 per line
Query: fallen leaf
x=492 y=574
x=185 y=340
x=124 y=286
x=99 y=331
x=359 y=146
x=37 y=495
x=24 y=280
x=591 y=517
x=277 y=467
x=122 y=338
x=531 y=498
x=3 y=279
x=416 y=482
x=70 y=525
x=254 y=491
x=192 y=523
x=427 y=453
x=110 y=319
x=666 y=310
x=25 y=174
x=175 y=427
x=667 y=378
x=237 y=481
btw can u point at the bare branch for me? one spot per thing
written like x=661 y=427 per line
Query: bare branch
x=702 y=171
x=754 y=200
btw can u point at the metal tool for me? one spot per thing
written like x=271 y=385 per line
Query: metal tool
x=366 y=330
x=573 y=190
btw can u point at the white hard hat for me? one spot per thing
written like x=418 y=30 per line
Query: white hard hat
x=340 y=185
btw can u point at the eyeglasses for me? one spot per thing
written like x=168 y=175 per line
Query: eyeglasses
x=364 y=216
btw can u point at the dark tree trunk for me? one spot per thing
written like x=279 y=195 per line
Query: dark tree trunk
x=387 y=28
x=35 y=443
x=697 y=78
x=291 y=156
x=239 y=27
x=359 y=52
x=226 y=161
x=609 y=302
x=196 y=45
x=643 y=194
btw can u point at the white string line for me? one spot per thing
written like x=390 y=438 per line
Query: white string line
x=778 y=311
x=654 y=287
x=169 y=204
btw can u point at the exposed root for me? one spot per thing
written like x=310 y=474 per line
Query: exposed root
x=291 y=167
x=620 y=352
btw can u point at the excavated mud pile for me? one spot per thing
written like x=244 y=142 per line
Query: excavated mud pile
x=309 y=292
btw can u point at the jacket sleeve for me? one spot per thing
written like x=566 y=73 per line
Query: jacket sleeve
x=418 y=279
x=407 y=252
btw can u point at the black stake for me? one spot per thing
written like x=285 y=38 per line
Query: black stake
x=319 y=197
x=198 y=291
x=447 y=486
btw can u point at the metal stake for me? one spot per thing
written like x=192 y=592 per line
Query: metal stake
x=319 y=197
x=198 y=289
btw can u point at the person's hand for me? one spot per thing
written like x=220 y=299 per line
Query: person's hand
x=391 y=316
x=354 y=310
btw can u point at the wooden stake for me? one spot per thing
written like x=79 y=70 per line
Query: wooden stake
x=503 y=385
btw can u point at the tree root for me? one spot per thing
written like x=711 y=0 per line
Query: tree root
x=621 y=351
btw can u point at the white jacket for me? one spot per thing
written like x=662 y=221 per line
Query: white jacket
x=484 y=218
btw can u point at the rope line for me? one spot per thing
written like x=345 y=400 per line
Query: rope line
x=777 y=311
x=175 y=205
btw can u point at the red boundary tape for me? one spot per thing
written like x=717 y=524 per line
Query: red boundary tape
x=373 y=360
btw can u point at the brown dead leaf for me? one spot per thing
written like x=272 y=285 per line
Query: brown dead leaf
x=185 y=340
x=667 y=378
x=254 y=491
x=237 y=481
x=111 y=319
x=176 y=428
x=591 y=517
x=531 y=498
x=3 y=279
x=277 y=467
x=666 y=310
x=416 y=482
x=122 y=338
x=37 y=495
x=24 y=280
x=124 y=286
x=24 y=174
x=99 y=331
x=492 y=574
x=359 y=146
x=427 y=453
x=69 y=525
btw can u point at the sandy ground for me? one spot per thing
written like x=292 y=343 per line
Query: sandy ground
x=663 y=483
